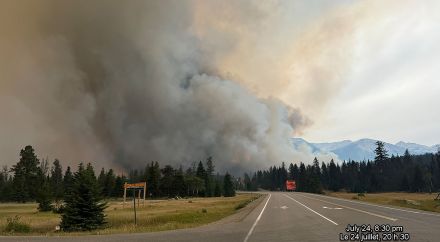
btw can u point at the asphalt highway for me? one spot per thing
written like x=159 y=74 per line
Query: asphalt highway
x=301 y=217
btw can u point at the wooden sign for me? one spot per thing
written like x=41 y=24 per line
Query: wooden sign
x=134 y=185
x=137 y=187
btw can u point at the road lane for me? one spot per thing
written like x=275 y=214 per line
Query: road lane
x=423 y=226
x=282 y=216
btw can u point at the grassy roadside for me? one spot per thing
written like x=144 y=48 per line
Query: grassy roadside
x=155 y=215
x=421 y=201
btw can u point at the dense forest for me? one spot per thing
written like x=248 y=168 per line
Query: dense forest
x=411 y=173
x=34 y=180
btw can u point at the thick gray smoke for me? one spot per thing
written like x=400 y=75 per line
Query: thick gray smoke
x=125 y=82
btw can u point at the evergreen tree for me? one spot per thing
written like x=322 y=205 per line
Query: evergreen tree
x=101 y=181
x=291 y=171
x=209 y=183
x=56 y=181
x=217 y=189
x=302 y=178
x=201 y=173
x=405 y=184
x=418 y=181
x=109 y=184
x=179 y=185
x=25 y=175
x=68 y=182
x=84 y=210
x=118 y=189
x=153 y=179
x=44 y=197
x=381 y=152
x=314 y=178
x=228 y=186
x=5 y=185
x=333 y=171
x=324 y=176
x=167 y=181
x=283 y=175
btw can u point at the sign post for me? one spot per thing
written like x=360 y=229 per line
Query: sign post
x=135 y=187
x=134 y=206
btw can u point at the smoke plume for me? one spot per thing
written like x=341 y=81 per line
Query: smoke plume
x=122 y=83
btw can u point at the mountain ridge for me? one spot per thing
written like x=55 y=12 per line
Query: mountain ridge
x=363 y=149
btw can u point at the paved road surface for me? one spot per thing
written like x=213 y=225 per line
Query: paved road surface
x=290 y=217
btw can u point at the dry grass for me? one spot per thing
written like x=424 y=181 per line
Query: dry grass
x=422 y=201
x=155 y=215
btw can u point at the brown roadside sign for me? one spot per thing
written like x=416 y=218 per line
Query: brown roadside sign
x=135 y=185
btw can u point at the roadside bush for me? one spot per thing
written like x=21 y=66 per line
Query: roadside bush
x=204 y=210
x=14 y=225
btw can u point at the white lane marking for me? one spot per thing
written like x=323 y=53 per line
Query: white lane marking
x=331 y=221
x=256 y=221
x=331 y=208
x=284 y=207
x=355 y=209
x=380 y=206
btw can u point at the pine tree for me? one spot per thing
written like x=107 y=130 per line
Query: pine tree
x=302 y=178
x=333 y=171
x=153 y=179
x=84 y=210
x=109 y=184
x=314 y=178
x=179 y=185
x=118 y=189
x=167 y=181
x=56 y=181
x=201 y=173
x=381 y=152
x=101 y=181
x=405 y=184
x=228 y=186
x=209 y=184
x=67 y=182
x=25 y=175
x=418 y=181
x=217 y=189
x=44 y=197
x=291 y=171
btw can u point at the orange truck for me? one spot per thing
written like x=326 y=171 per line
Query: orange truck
x=290 y=185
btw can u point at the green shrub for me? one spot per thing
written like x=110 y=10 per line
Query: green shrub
x=204 y=210
x=361 y=194
x=14 y=225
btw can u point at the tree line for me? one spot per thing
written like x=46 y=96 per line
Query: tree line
x=31 y=179
x=410 y=173
x=78 y=195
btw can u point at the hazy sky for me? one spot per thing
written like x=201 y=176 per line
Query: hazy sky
x=357 y=69
x=391 y=84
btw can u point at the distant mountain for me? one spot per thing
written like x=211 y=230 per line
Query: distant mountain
x=363 y=149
